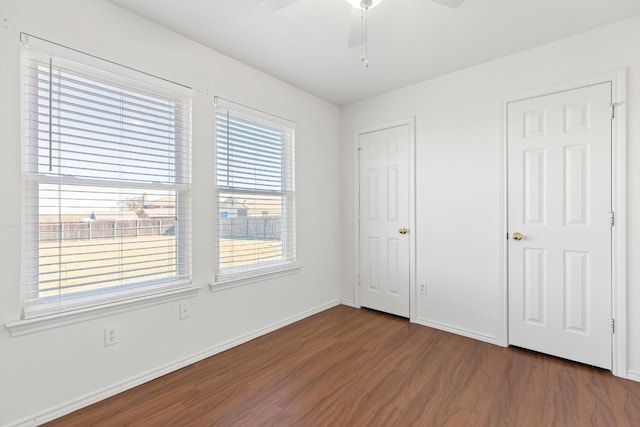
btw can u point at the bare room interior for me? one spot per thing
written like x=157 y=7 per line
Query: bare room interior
x=320 y=212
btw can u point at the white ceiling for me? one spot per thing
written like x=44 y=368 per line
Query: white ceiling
x=306 y=43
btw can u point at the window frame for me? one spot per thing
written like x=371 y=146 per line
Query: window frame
x=82 y=305
x=228 y=277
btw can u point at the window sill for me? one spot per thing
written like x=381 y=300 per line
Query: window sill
x=223 y=284
x=29 y=326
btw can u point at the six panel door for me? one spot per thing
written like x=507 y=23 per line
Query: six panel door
x=559 y=192
x=384 y=219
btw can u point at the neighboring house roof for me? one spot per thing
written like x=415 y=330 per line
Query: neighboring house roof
x=232 y=203
x=264 y=205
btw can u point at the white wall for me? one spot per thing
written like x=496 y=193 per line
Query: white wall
x=458 y=174
x=46 y=373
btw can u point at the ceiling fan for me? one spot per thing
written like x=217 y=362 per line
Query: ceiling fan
x=359 y=19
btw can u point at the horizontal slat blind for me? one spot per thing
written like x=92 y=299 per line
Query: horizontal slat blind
x=107 y=180
x=256 y=194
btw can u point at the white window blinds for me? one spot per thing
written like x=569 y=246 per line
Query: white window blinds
x=107 y=182
x=256 y=194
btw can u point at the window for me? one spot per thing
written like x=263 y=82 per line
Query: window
x=255 y=194
x=107 y=183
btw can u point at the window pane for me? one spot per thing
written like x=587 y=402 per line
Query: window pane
x=92 y=129
x=93 y=238
x=107 y=173
x=251 y=229
x=255 y=190
x=249 y=156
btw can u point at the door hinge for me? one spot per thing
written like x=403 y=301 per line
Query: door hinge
x=612 y=217
x=612 y=323
x=612 y=109
x=359 y=149
x=358 y=279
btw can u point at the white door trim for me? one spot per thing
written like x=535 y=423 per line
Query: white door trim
x=410 y=122
x=618 y=191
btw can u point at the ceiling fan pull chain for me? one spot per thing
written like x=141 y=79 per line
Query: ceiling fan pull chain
x=365 y=21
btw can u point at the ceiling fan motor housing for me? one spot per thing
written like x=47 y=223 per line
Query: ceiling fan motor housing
x=364 y=4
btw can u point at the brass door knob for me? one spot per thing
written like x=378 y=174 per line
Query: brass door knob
x=403 y=231
x=517 y=236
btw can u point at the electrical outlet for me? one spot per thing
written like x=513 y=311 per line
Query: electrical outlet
x=423 y=288
x=110 y=336
x=185 y=310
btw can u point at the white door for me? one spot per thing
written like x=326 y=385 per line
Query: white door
x=559 y=179
x=384 y=220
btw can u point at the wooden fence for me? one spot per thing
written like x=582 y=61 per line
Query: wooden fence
x=263 y=227
x=87 y=230
x=259 y=227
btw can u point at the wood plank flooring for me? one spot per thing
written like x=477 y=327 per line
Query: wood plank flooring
x=349 y=367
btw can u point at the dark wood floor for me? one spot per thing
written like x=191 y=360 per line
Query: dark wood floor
x=348 y=367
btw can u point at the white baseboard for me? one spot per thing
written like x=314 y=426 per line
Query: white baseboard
x=347 y=302
x=458 y=331
x=633 y=375
x=74 y=405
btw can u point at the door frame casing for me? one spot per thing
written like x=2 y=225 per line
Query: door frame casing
x=410 y=122
x=617 y=78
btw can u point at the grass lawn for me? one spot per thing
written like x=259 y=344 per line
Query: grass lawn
x=81 y=265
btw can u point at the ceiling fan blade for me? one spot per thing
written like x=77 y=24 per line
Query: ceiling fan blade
x=449 y=3
x=273 y=5
x=355 y=28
